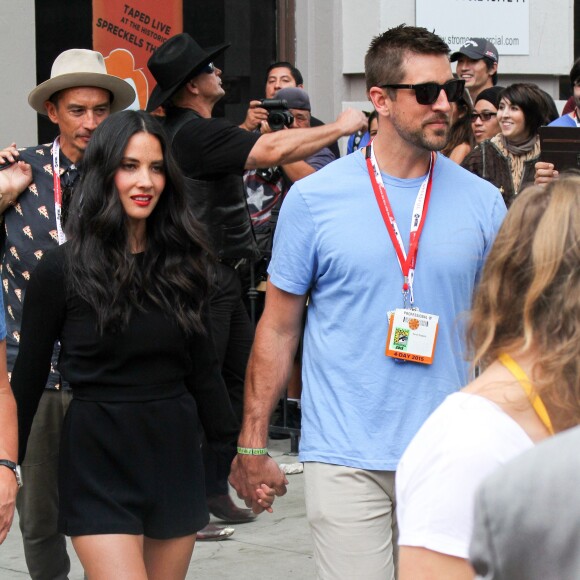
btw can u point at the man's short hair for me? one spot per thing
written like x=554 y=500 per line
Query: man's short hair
x=386 y=53
x=575 y=72
x=490 y=63
x=294 y=72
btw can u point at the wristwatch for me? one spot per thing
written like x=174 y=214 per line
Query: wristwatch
x=15 y=468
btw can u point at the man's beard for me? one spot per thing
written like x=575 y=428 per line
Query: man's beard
x=435 y=141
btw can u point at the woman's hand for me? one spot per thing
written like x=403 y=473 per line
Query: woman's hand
x=266 y=496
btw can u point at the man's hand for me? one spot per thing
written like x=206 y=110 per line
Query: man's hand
x=15 y=179
x=248 y=476
x=254 y=117
x=9 y=154
x=545 y=173
x=352 y=120
x=8 y=490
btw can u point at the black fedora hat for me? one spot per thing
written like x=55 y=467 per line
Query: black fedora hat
x=175 y=62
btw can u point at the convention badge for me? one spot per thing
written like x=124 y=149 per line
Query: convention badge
x=412 y=335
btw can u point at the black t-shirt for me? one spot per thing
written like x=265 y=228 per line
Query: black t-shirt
x=151 y=351
x=210 y=148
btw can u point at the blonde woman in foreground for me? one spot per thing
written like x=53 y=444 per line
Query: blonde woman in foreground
x=525 y=331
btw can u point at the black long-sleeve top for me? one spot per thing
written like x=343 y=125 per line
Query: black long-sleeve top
x=151 y=352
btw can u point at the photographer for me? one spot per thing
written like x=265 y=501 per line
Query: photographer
x=280 y=75
x=267 y=187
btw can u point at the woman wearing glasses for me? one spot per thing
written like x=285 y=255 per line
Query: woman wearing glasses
x=484 y=122
x=524 y=331
x=507 y=160
x=127 y=297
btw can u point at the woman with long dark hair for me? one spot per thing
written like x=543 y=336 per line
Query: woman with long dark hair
x=127 y=299
x=507 y=159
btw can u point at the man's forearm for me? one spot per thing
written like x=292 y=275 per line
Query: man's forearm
x=291 y=145
x=267 y=376
x=297 y=170
x=8 y=424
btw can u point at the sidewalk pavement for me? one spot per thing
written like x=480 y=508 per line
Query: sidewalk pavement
x=275 y=546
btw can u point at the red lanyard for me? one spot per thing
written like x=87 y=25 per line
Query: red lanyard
x=408 y=262
x=57 y=190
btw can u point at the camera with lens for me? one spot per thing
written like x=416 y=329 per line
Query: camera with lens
x=278 y=114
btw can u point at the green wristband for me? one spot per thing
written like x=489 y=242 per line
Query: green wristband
x=252 y=451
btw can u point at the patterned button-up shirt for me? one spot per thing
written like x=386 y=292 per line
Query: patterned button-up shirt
x=30 y=230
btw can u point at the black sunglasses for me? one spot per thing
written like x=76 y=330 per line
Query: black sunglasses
x=428 y=93
x=483 y=116
x=208 y=68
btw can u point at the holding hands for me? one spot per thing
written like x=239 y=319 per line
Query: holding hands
x=257 y=479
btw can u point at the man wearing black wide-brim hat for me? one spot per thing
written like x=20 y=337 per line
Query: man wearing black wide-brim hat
x=214 y=153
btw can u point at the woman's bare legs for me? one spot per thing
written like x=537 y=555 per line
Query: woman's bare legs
x=168 y=559
x=133 y=557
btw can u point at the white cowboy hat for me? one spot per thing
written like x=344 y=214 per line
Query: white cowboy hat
x=78 y=67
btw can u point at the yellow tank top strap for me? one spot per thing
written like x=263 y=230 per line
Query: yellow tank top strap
x=516 y=370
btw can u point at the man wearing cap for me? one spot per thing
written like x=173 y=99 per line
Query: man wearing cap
x=279 y=75
x=266 y=189
x=477 y=61
x=213 y=154
x=77 y=97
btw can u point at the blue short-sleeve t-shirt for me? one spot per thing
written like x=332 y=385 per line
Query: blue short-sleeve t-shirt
x=361 y=408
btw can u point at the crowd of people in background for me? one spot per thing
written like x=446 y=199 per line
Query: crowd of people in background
x=170 y=277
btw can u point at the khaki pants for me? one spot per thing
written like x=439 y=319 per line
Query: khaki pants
x=351 y=513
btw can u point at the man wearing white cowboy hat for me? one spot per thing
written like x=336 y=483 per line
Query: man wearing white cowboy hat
x=35 y=190
x=213 y=154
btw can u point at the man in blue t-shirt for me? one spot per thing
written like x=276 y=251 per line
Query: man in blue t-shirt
x=545 y=172
x=336 y=244
x=571 y=119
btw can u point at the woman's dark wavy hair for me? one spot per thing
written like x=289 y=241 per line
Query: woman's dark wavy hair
x=100 y=265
